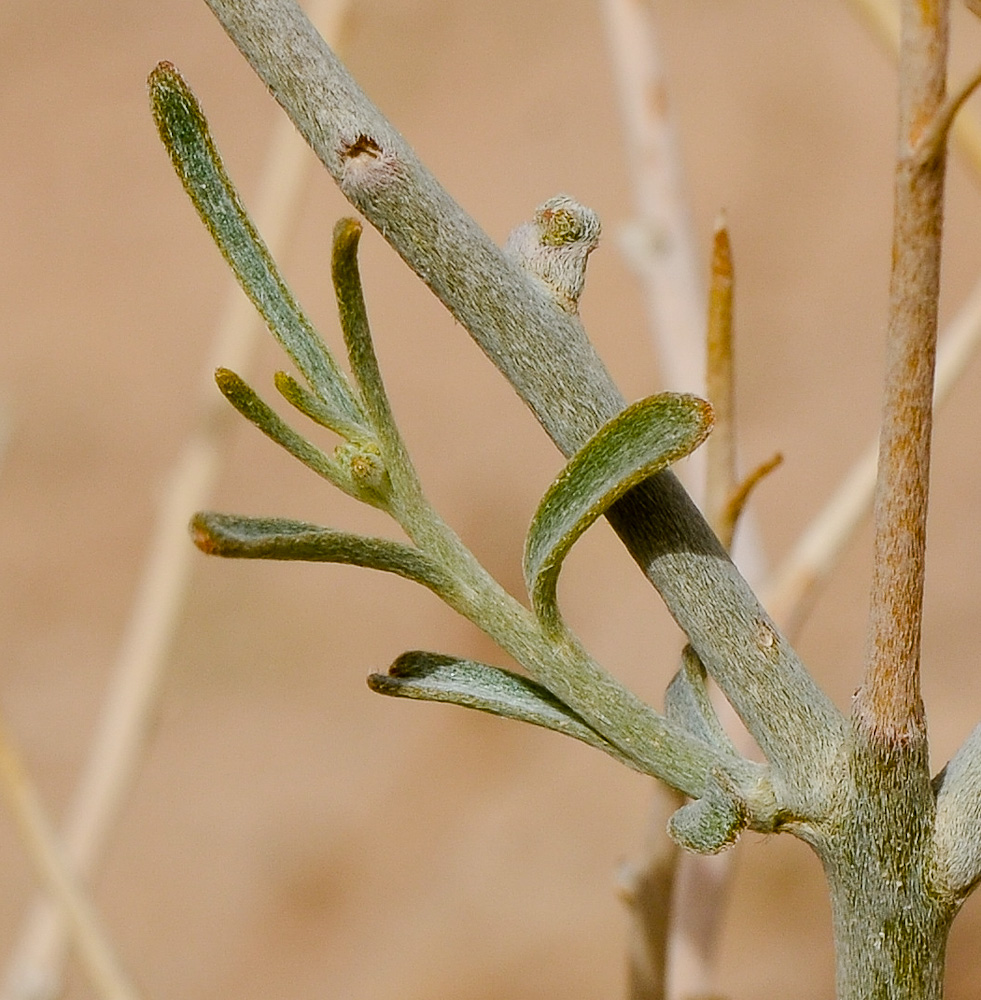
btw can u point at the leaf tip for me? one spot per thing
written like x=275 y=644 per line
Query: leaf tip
x=225 y=378
x=165 y=85
x=165 y=72
x=202 y=535
x=379 y=683
x=347 y=231
x=403 y=664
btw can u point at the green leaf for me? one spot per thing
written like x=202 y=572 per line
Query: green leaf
x=355 y=469
x=711 y=823
x=184 y=131
x=238 y=537
x=361 y=352
x=434 y=677
x=687 y=702
x=642 y=440
x=313 y=407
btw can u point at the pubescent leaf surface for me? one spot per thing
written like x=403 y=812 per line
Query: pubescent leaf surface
x=436 y=677
x=639 y=442
x=184 y=131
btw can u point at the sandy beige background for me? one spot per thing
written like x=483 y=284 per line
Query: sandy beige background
x=293 y=835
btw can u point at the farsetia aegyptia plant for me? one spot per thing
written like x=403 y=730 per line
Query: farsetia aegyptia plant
x=901 y=851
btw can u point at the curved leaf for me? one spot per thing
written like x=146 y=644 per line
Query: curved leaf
x=711 y=823
x=642 y=440
x=239 y=537
x=434 y=677
x=357 y=469
x=184 y=131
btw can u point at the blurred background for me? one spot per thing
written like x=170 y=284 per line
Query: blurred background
x=291 y=834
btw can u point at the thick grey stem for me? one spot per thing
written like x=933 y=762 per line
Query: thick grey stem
x=890 y=923
x=542 y=350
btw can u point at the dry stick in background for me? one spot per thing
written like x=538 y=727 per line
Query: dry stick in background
x=98 y=959
x=36 y=967
x=882 y=19
x=660 y=244
x=673 y=897
x=790 y=591
x=660 y=248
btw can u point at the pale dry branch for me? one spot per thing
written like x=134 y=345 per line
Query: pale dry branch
x=660 y=243
x=35 y=968
x=55 y=873
x=795 y=583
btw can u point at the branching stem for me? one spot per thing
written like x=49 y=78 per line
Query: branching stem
x=889 y=702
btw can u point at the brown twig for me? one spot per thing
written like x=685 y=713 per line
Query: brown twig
x=935 y=137
x=720 y=449
x=793 y=587
x=736 y=502
x=882 y=17
x=889 y=704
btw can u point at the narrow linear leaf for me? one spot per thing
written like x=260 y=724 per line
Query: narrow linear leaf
x=357 y=339
x=642 y=440
x=687 y=702
x=239 y=537
x=312 y=406
x=435 y=677
x=251 y=406
x=184 y=131
x=369 y=487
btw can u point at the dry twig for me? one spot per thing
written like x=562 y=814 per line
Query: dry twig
x=35 y=968
x=38 y=836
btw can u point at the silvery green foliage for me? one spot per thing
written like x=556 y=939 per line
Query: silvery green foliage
x=900 y=854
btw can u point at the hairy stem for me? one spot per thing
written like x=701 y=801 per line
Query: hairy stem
x=890 y=702
x=890 y=923
x=543 y=351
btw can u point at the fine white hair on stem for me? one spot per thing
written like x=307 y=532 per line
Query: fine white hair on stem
x=35 y=969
